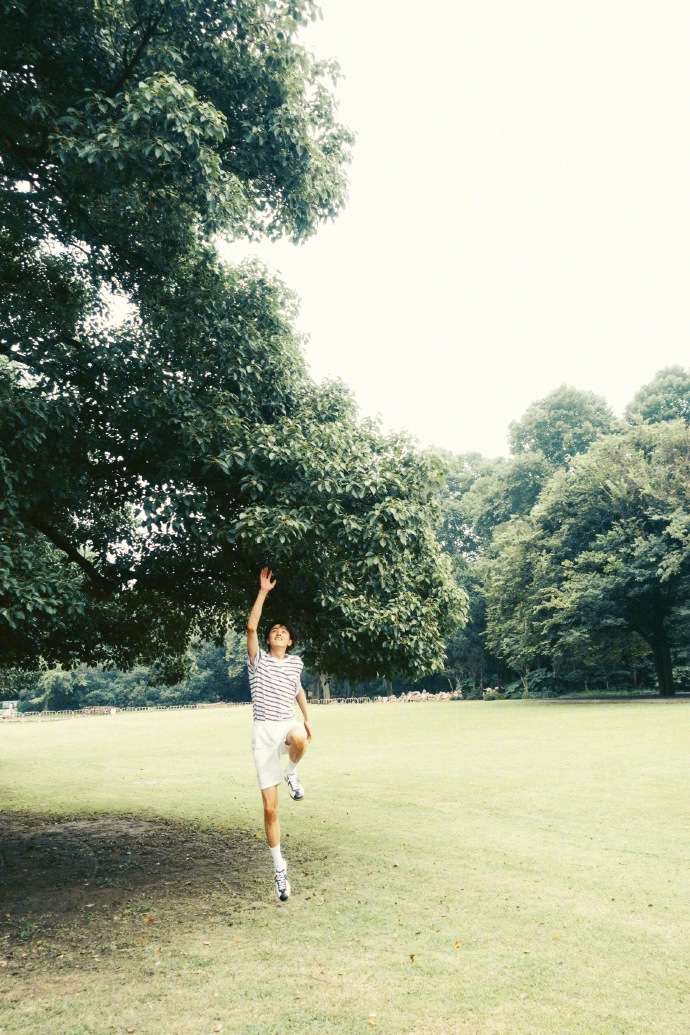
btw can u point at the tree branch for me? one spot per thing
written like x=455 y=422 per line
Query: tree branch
x=7 y=349
x=103 y=585
x=146 y=38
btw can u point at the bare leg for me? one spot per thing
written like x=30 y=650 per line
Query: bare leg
x=269 y=796
x=296 y=741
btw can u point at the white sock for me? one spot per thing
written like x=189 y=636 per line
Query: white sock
x=291 y=769
x=278 y=860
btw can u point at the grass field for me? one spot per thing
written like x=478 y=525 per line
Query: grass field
x=460 y=867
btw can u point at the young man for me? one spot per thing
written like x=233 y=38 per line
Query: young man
x=275 y=683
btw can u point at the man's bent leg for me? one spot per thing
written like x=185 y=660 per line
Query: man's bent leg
x=296 y=741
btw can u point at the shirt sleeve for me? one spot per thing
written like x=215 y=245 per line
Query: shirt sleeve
x=298 y=676
x=254 y=665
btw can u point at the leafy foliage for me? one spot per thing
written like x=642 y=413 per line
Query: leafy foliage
x=139 y=124
x=575 y=565
x=216 y=673
x=562 y=425
x=665 y=398
x=503 y=489
x=605 y=552
x=148 y=468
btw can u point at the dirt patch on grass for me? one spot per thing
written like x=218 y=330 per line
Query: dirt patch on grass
x=69 y=883
x=115 y=852
x=99 y=913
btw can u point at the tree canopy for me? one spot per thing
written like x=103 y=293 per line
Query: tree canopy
x=666 y=397
x=149 y=467
x=604 y=553
x=572 y=550
x=562 y=425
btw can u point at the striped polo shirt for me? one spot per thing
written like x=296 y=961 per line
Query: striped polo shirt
x=274 y=684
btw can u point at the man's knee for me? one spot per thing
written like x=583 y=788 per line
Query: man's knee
x=297 y=739
x=297 y=736
x=270 y=812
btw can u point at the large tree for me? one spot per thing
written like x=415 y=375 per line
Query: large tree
x=562 y=425
x=149 y=467
x=665 y=397
x=604 y=555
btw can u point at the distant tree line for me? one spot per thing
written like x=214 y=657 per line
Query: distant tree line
x=215 y=673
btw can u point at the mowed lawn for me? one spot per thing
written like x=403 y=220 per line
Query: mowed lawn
x=459 y=867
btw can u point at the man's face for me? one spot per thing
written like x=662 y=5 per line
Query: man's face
x=279 y=636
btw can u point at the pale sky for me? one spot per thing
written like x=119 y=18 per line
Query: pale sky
x=518 y=215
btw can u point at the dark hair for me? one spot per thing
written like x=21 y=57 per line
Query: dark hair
x=290 y=629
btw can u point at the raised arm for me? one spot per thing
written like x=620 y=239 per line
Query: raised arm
x=267 y=583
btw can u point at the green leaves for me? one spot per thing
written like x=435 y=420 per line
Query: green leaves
x=141 y=132
x=606 y=547
x=150 y=468
x=665 y=398
x=159 y=135
x=376 y=549
x=562 y=425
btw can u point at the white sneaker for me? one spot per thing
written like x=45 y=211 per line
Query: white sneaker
x=294 y=786
x=282 y=885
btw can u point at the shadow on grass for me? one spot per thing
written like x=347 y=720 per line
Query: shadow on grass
x=108 y=897
x=53 y=871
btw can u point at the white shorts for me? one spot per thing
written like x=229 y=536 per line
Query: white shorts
x=268 y=744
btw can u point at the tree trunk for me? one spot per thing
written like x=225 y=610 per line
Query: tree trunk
x=663 y=664
x=324 y=687
x=524 y=678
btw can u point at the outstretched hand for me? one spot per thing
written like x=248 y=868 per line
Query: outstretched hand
x=267 y=581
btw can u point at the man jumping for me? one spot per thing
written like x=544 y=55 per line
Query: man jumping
x=275 y=683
